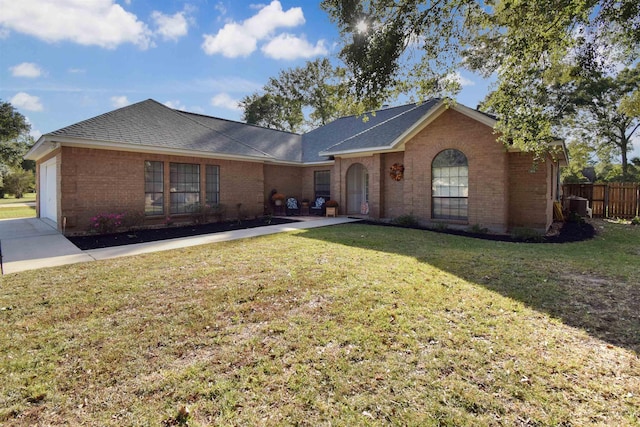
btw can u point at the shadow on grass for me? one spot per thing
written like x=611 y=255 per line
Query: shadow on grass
x=571 y=281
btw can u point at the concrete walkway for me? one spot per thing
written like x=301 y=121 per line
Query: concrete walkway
x=31 y=243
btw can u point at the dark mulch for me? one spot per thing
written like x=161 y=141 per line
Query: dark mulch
x=96 y=241
x=565 y=232
x=562 y=233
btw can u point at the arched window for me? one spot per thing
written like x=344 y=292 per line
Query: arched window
x=450 y=185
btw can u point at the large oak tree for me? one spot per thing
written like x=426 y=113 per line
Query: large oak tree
x=411 y=46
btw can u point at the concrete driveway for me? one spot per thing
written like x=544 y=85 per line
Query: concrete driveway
x=30 y=243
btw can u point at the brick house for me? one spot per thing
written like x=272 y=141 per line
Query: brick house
x=438 y=162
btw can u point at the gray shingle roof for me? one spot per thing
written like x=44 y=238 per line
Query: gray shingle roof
x=151 y=124
x=278 y=144
x=353 y=133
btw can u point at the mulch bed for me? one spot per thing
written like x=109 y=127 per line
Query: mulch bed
x=561 y=232
x=97 y=241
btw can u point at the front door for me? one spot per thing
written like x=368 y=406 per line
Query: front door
x=357 y=190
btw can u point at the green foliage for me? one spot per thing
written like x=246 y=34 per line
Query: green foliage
x=12 y=123
x=18 y=182
x=406 y=220
x=14 y=135
x=526 y=234
x=318 y=87
x=478 y=229
x=636 y=220
x=416 y=46
x=133 y=220
x=201 y=213
x=595 y=108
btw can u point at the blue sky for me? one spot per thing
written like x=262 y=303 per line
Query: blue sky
x=64 y=61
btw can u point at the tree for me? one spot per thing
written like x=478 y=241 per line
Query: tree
x=18 y=182
x=412 y=46
x=14 y=135
x=602 y=117
x=318 y=88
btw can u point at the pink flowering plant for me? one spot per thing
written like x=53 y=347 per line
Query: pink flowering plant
x=106 y=223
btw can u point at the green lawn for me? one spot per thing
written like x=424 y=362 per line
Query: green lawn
x=8 y=212
x=28 y=197
x=344 y=325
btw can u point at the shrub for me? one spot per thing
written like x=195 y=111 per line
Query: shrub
x=441 y=226
x=526 y=234
x=636 y=220
x=478 y=229
x=133 y=220
x=407 y=220
x=106 y=223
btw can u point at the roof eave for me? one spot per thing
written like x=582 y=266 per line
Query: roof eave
x=40 y=149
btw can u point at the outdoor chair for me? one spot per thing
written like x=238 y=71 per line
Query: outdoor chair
x=293 y=208
x=317 y=208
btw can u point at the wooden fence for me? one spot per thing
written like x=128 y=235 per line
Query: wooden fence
x=610 y=200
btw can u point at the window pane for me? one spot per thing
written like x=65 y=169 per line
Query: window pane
x=212 y=185
x=184 y=180
x=450 y=182
x=322 y=184
x=153 y=188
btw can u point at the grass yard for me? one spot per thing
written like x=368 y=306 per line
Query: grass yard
x=8 y=199
x=9 y=212
x=10 y=207
x=344 y=325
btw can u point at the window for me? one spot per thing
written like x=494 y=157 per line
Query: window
x=153 y=188
x=450 y=185
x=322 y=184
x=184 y=181
x=212 y=184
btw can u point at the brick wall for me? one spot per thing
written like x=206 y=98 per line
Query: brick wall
x=286 y=179
x=393 y=191
x=487 y=160
x=530 y=192
x=105 y=181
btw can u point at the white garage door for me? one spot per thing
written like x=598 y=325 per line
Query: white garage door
x=48 y=187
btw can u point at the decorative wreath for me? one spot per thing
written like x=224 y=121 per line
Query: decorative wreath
x=397 y=171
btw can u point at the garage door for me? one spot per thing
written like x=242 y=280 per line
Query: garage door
x=48 y=187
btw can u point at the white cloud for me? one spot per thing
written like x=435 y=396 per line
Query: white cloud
x=27 y=102
x=170 y=27
x=77 y=70
x=288 y=46
x=96 y=22
x=35 y=133
x=460 y=79
x=221 y=8
x=241 y=39
x=223 y=100
x=176 y=105
x=26 y=69
x=119 y=101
